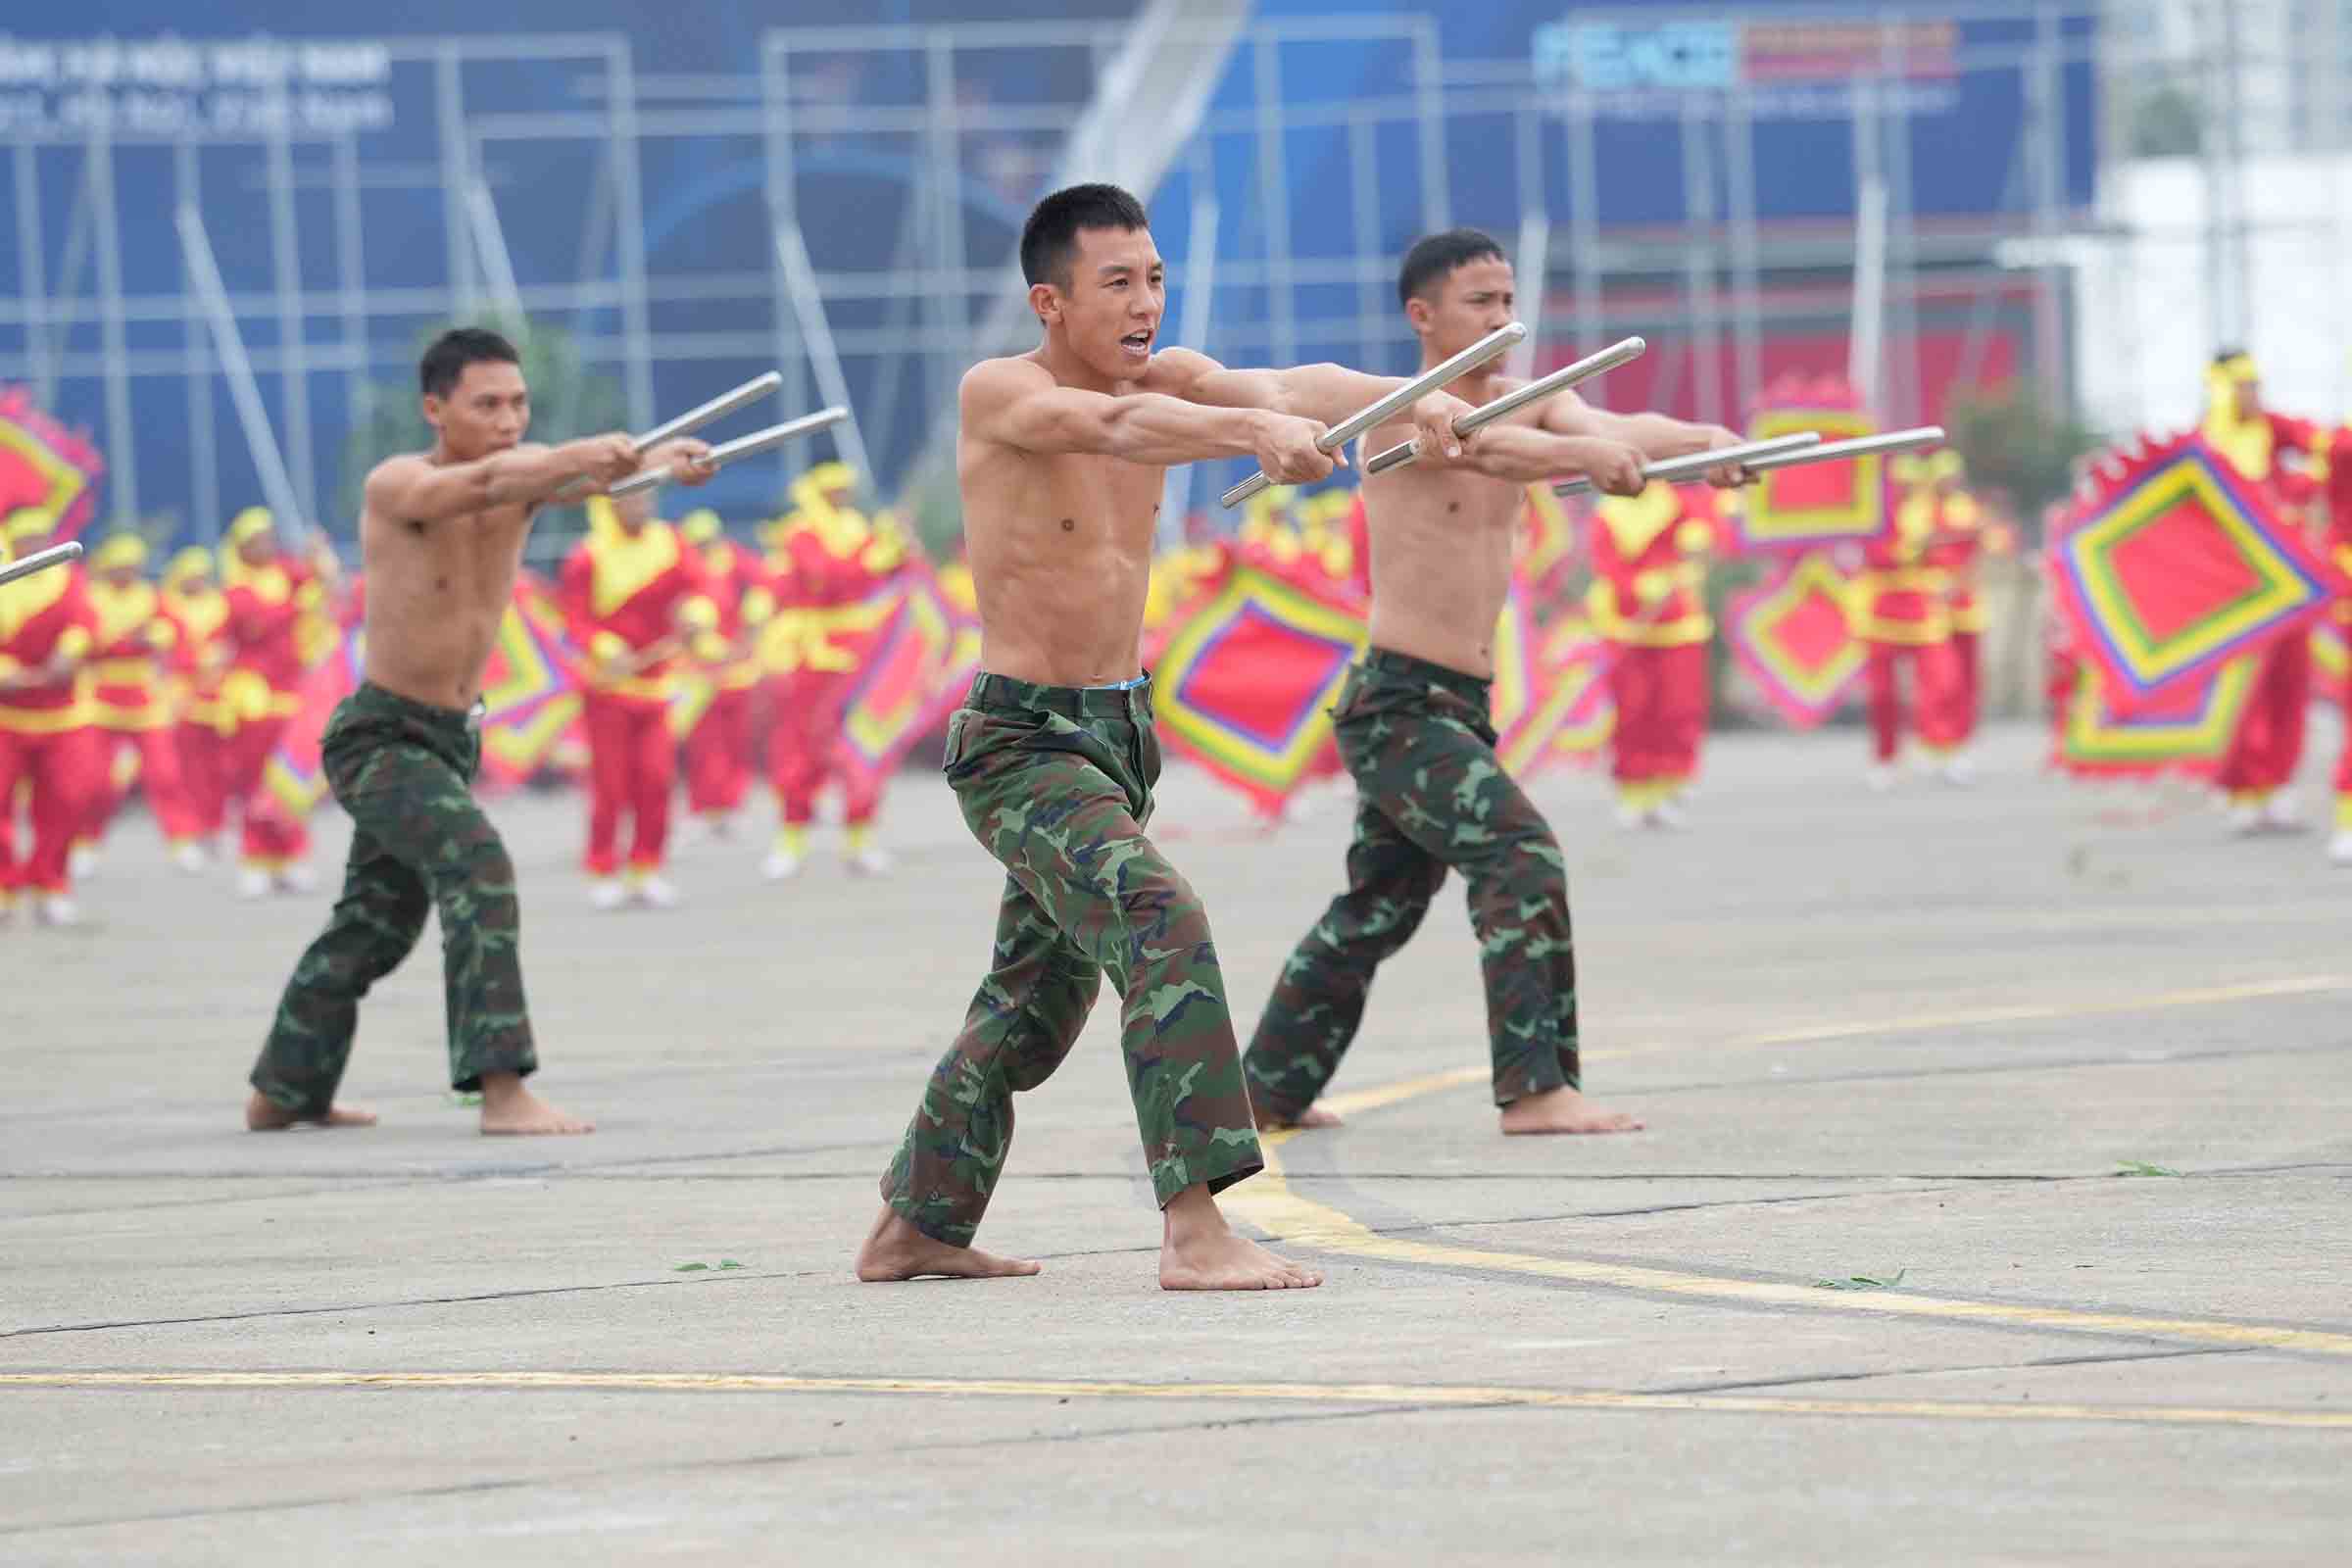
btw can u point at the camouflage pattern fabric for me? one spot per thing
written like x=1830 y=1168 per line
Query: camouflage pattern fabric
x=1057 y=783
x=420 y=841
x=1431 y=794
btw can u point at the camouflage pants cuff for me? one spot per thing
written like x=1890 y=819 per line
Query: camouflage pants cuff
x=924 y=1217
x=1540 y=1073
x=1227 y=1156
x=517 y=1058
x=306 y=1104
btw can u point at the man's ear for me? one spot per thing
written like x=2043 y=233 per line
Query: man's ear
x=1046 y=300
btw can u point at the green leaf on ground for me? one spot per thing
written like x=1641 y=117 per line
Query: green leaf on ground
x=462 y=1102
x=2141 y=1167
x=728 y=1262
x=689 y=1268
x=1863 y=1282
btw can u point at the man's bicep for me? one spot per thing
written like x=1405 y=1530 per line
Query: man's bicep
x=1566 y=414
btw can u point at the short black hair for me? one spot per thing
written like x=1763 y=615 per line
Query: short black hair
x=2224 y=355
x=1049 y=239
x=445 y=361
x=1433 y=259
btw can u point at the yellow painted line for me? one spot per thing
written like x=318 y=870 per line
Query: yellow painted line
x=1269 y=1204
x=1364 y=1099
x=1471 y=1396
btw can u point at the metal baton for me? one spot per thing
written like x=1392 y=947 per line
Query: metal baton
x=1747 y=454
x=745 y=445
x=41 y=561
x=694 y=419
x=1495 y=343
x=1559 y=380
x=1861 y=446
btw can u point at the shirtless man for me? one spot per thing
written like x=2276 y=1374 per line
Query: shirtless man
x=1052 y=757
x=1412 y=726
x=442 y=536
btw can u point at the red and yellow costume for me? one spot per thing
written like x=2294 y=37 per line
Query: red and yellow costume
x=280 y=621
x=132 y=705
x=2269 y=745
x=719 y=752
x=1957 y=546
x=198 y=664
x=828 y=565
x=46 y=633
x=631 y=600
x=1901 y=610
x=1648 y=600
x=2339 y=551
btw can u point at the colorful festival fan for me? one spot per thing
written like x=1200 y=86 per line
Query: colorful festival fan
x=1808 y=505
x=1542 y=684
x=2168 y=566
x=1791 y=636
x=531 y=701
x=294 y=775
x=893 y=700
x=2186 y=731
x=1246 y=684
x=45 y=467
x=1580 y=663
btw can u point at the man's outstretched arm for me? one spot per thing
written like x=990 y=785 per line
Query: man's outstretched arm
x=1018 y=404
x=1327 y=393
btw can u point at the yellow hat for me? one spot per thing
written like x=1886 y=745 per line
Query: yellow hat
x=1947 y=465
x=249 y=524
x=25 y=522
x=834 y=475
x=700 y=526
x=122 y=550
x=193 y=562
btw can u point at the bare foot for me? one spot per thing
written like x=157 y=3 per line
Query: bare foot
x=510 y=1110
x=1313 y=1116
x=1564 y=1110
x=266 y=1116
x=1201 y=1252
x=895 y=1249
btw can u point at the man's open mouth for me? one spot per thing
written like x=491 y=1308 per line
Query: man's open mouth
x=1138 y=342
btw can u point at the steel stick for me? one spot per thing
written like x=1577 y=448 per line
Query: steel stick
x=1493 y=344
x=1748 y=452
x=41 y=561
x=747 y=446
x=694 y=419
x=1559 y=380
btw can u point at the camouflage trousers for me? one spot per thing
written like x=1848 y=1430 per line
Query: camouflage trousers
x=1431 y=796
x=1057 y=783
x=420 y=842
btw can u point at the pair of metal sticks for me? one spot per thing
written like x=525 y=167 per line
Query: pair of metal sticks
x=694 y=419
x=1778 y=451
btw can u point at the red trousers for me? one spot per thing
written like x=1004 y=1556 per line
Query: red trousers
x=1661 y=698
x=2268 y=744
x=633 y=766
x=1967 y=695
x=799 y=748
x=718 y=753
x=161 y=781
x=65 y=770
x=1935 y=684
x=270 y=835
x=203 y=775
x=2343 y=764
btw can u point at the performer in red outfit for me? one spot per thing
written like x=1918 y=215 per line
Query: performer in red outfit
x=45 y=738
x=2339 y=549
x=1901 y=612
x=829 y=564
x=1648 y=562
x=1949 y=702
x=2268 y=744
x=281 y=620
x=131 y=702
x=719 y=751
x=632 y=595
x=198 y=662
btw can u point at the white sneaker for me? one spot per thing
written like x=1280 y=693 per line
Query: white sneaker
x=81 y=861
x=1879 y=778
x=870 y=862
x=1960 y=772
x=189 y=857
x=2244 y=818
x=253 y=883
x=1631 y=816
x=298 y=879
x=605 y=894
x=1669 y=813
x=781 y=865
x=57 y=910
x=2280 y=816
x=656 y=893
x=2339 y=850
